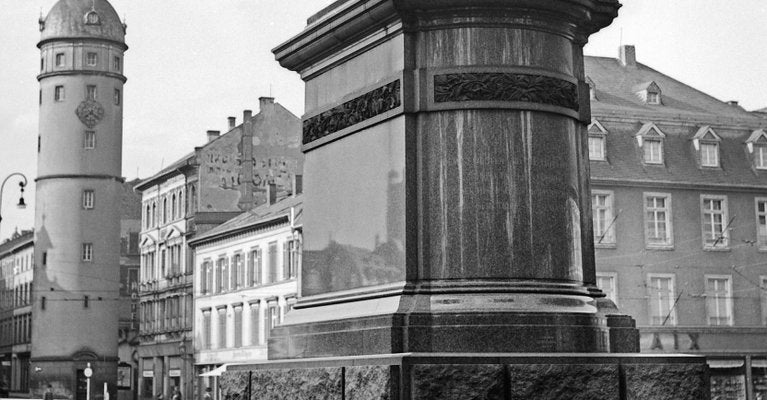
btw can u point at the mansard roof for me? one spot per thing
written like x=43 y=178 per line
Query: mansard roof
x=618 y=86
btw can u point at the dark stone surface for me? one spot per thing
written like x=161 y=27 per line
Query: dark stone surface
x=456 y=381
x=279 y=384
x=667 y=382
x=564 y=381
x=371 y=382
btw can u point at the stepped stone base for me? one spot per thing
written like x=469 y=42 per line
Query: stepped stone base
x=503 y=376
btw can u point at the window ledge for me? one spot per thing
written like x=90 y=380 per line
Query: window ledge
x=605 y=245
x=659 y=247
x=717 y=249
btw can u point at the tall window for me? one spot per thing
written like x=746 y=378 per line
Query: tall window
x=60 y=59
x=714 y=218
x=88 y=198
x=173 y=206
x=255 y=327
x=92 y=59
x=206 y=329
x=602 y=213
x=87 y=253
x=719 y=300
x=236 y=272
x=596 y=148
x=291 y=254
x=238 y=326
x=273 y=315
x=116 y=63
x=58 y=93
x=606 y=282
x=761 y=222
x=222 y=327
x=254 y=268
x=117 y=97
x=709 y=154
x=653 y=151
x=657 y=207
x=220 y=275
x=90 y=92
x=271 y=264
x=661 y=298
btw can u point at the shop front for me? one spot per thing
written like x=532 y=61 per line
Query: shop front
x=738 y=378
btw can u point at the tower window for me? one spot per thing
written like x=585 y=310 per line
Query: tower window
x=88 y=197
x=90 y=92
x=89 y=140
x=38 y=143
x=42 y=64
x=92 y=59
x=40 y=99
x=58 y=93
x=59 y=59
x=87 y=252
x=117 y=97
x=116 y=63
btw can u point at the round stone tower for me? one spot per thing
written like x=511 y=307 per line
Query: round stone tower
x=77 y=215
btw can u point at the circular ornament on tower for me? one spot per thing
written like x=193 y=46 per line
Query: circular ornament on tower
x=90 y=112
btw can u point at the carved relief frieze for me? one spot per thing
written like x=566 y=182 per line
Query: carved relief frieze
x=369 y=105
x=499 y=86
x=90 y=113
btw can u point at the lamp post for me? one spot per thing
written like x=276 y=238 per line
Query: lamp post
x=22 y=184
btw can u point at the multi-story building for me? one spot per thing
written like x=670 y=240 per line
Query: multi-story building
x=16 y=261
x=216 y=182
x=245 y=281
x=130 y=228
x=679 y=197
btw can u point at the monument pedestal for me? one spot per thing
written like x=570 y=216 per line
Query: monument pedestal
x=447 y=213
x=449 y=376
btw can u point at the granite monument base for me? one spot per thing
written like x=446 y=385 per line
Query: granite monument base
x=501 y=376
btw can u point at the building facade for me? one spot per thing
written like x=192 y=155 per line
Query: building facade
x=245 y=281
x=218 y=181
x=16 y=261
x=679 y=200
x=77 y=216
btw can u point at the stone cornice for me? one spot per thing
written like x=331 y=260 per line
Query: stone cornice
x=117 y=76
x=355 y=19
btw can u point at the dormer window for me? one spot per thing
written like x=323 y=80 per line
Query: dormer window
x=592 y=89
x=706 y=143
x=649 y=93
x=92 y=18
x=597 y=140
x=757 y=147
x=650 y=139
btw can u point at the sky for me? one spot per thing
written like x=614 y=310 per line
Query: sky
x=192 y=63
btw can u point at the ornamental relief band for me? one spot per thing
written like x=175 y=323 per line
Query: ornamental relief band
x=352 y=112
x=499 y=86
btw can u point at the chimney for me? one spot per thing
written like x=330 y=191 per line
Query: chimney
x=232 y=122
x=628 y=56
x=213 y=135
x=265 y=103
x=246 y=115
x=298 y=184
x=271 y=194
x=733 y=103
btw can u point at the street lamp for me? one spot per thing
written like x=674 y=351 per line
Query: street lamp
x=22 y=184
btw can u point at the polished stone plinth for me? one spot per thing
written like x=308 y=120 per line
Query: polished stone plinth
x=499 y=376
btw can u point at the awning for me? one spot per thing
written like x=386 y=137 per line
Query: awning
x=725 y=363
x=216 y=371
x=759 y=363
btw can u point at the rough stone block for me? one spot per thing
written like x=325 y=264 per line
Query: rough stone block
x=458 y=381
x=369 y=382
x=667 y=382
x=279 y=384
x=564 y=381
